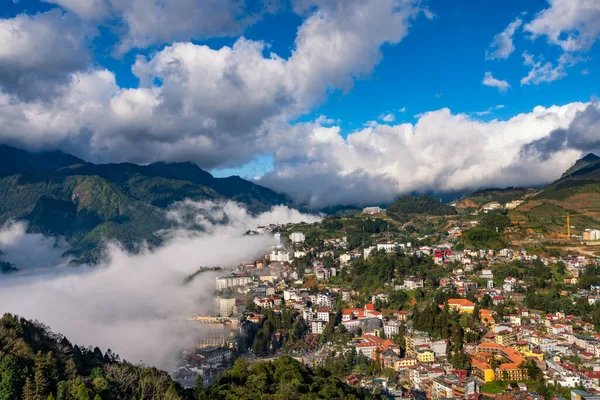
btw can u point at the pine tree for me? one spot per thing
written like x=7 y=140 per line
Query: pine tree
x=70 y=369
x=82 y=393
x=46 y=374
x=51 y=397
x=29 y=390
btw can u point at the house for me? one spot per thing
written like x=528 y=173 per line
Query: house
x=461 y=305
x=412 y=283
x=487 y=274
x=372 y=210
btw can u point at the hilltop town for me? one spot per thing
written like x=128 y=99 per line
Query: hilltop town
x=426 y=315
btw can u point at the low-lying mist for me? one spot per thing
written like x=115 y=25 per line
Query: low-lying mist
x=136 y=304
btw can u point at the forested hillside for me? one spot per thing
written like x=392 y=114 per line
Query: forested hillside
x=36 y=364
x=406 y=205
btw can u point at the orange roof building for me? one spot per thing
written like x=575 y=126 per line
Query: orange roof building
x=461 y=305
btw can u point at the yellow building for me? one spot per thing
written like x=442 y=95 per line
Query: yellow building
x=511 y=372
x=404 y=363
x=521 y=346
x=533 y=353
x=461 y=305
x=425 y=355
x=482 y=370
x=506 y=337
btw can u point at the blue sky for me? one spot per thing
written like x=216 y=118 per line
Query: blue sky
x=400 y=58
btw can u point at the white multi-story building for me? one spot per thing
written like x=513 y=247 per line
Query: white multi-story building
x=387 y=247
x=307 y=314
x=591 y=234
x=323 y=300
x=280 y=256
x=225 y=306
x=372 y=210
x=317 y=327
x=367 y=251
x=391 y=328
x=297 y=237
x=233 y=281
x=323 y=314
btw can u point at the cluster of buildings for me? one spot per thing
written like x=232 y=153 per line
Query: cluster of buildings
x=551 y=341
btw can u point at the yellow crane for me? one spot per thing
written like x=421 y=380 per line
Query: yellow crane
x=569 y=215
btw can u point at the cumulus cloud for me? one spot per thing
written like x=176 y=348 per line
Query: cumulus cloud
x=502 y=46
x=442 y=152
x=572 y=24
x=217 y=107
x=581 y=135
x=136 y=304
x=145 y=23
x=489 y=80
x=545 y=71
x=30 y=250
x=38 y=52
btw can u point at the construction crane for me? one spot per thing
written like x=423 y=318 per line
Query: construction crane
x=569 y=215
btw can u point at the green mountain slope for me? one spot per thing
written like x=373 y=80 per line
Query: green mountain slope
x=406 y=205
x=576 y=192
x=59 y=194
x=581 y=163
x=582 y=178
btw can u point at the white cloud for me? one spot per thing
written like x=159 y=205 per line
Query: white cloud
x=37 y=52
x=489 y=110
x=572 y=24
x=403 y=109
x=30 y=250
x=489 y=80
x=585 y=72
x=547 y=72
x=87 y=9
x=144 y=23
x=502 y=46
x=441 y=152
x=219 y=108
x=136 y=305
x=387 y=117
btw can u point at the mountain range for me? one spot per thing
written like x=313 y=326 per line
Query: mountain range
x=61 y=195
